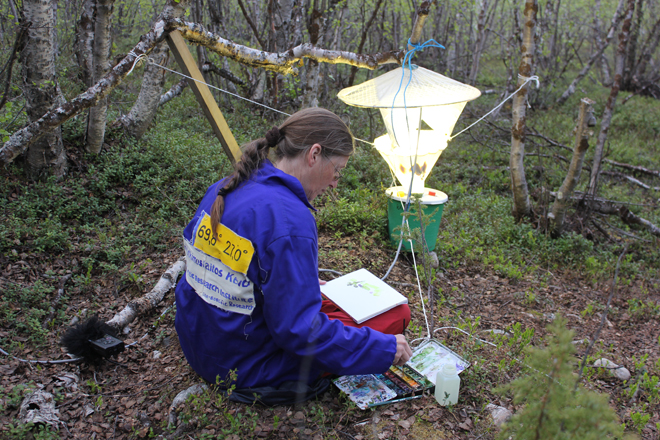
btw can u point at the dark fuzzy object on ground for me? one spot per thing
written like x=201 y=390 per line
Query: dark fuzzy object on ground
x=77 y=339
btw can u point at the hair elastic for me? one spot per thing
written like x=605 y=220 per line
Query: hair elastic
x=273 y=137
x=222 y=192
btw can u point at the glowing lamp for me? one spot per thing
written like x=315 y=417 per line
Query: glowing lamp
x=419 y=108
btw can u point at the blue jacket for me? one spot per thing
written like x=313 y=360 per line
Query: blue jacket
x=286 y=337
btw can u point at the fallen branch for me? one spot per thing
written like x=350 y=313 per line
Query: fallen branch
x=609 y=207
x=56 y=300
x=535 y=133
x=638 y=169
x=283 y=62
x=630 y=218
x=630 y=179
x=181 y=398
x=149 y=301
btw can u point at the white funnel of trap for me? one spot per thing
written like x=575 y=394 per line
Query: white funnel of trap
x=419 y=109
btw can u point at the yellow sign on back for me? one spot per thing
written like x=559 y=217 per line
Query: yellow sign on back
x=233 y=250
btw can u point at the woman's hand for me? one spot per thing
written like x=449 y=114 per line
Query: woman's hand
x=403 y=351
x=321 y=282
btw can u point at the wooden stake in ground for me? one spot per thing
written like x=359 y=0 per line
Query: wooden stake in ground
x=556 y=216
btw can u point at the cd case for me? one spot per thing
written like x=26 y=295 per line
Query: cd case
x=400 y=383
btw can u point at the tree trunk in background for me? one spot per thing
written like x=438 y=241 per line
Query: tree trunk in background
x=602 y=61
x=521 y=206
x=595 y=56
x=629 y=78
x=611 y=101
x=482 y=35
x=46 y=156
x=137 y=121
x=102 y=45
x=363 y=39
x=311 y=83
x=585 y=118
x=84 y=42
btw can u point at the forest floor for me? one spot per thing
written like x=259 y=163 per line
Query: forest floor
x=130 y=396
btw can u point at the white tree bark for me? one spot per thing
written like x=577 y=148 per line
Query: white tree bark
x=102 y=43
x=47 y=156
x=283 y=62
x=85 y=42
x=173 y=92
x=521 y=206
x=558 y=211
x=149 y=301
x=137 y=121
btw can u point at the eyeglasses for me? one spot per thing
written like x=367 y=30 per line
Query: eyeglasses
x=338 y=173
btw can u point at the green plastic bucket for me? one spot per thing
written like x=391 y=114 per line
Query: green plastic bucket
x=431 y=200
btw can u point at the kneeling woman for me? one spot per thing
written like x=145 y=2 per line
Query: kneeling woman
x=250 y=300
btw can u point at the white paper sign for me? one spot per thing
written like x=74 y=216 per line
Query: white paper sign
x=216 y=283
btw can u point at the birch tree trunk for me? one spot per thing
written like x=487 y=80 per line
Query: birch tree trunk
x=102 y=44
x=47 y=156
x=137 y=121
x=85 y=42
x=565 y=192
x=482 y=35
x=629 y=78
x=311 y=83
x=521 y=206
x=611 y=101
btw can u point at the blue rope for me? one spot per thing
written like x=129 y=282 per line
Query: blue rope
x=407 y=62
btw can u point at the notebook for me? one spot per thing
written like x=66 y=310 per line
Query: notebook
x=401 y=383
x=362 y=295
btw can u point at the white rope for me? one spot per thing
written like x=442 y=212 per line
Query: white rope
x=32 y=361
x=138 y=58
x=526 y=79
x=150 y=61
x=419 y=286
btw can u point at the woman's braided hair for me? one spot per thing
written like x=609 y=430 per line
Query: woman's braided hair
x=294 y=137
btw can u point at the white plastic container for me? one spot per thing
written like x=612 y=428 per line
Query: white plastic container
x=447 y=385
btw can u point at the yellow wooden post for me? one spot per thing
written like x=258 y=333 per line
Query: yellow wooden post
x=203 y=94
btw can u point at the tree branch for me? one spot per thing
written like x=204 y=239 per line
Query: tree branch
x=22 y=139
x=18 y=43
x=638 y=169
x=282 y=62
x=150 y=300
x=251 y=23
